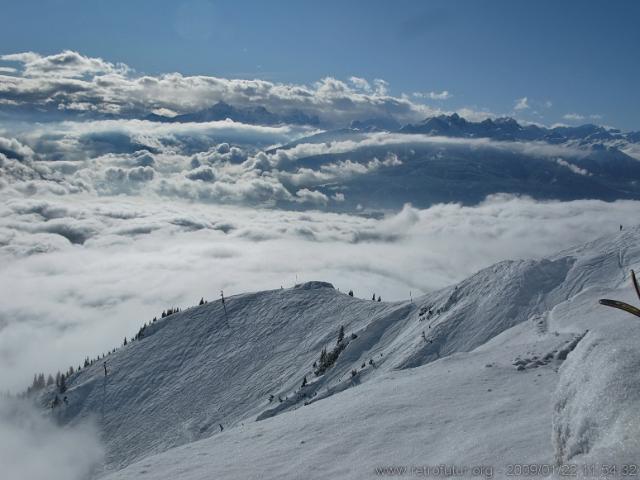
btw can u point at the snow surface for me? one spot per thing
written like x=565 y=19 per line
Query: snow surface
x=517 y=364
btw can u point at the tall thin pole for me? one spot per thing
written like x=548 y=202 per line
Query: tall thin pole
x=104 y=390
x=226 y=317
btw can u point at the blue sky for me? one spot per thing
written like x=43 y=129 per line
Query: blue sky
x=577 y=58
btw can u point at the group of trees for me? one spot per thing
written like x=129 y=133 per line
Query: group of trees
x=40 y=383
x=372 y=298
x=61 y=379
x=328 y=358
x=170 y=311
x=142 y=330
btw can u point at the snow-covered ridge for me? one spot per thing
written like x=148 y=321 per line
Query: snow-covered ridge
x=417 y=381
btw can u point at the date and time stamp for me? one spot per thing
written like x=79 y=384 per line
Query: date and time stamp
x=587 y=470
x=514 y=470
x=596 y=470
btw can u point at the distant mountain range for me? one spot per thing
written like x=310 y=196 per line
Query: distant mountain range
x=503 y=128
x=254 y=115
x=559 y=163
x=506 y=128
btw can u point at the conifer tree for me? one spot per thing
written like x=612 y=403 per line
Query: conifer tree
x=341 y=334
x=323 y=356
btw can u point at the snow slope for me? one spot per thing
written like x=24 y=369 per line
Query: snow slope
x=516 y=364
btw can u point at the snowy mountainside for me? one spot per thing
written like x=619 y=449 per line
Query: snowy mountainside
x=191 y=372
x=516 y=364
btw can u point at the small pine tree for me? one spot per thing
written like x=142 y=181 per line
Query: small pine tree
x=304 y=382
x=379 y=299
x=323 y=356
x=351 y=293
x=201 y=301
x=63 y=384
x=341 y=334
x=57 y=379
x=50 y=380
x=124 y=344
x=374 y=297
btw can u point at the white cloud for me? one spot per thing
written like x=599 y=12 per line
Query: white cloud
x=137 y=157
x=71 y=81
x=381 y=87
x=572 y=167
x=32 y=447
x=576 y=117
x=522 y=104
x=12 y=148
x=360 y=83
x=64 y=64
x=443 y=95
x=311 y=196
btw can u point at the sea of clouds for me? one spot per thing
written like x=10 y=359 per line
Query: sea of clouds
x=107 y=220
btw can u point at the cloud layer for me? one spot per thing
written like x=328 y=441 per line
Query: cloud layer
x=33 y=447
x=69 y=81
